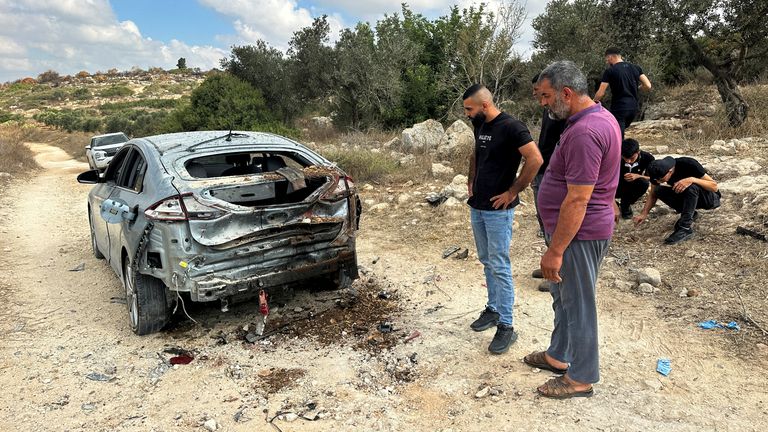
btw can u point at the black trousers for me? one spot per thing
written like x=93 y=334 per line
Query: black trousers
x=625 y=118
x=686 y=203
x=629 y=192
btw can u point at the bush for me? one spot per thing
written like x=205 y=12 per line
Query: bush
x=49 y=76
x=82 y=93
x=69 y=120
x=362 y=165
x=116 y=91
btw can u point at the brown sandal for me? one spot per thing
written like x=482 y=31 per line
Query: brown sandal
x=539 y=360
x=558 y=388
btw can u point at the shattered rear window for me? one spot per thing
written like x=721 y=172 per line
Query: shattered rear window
x=242 y=163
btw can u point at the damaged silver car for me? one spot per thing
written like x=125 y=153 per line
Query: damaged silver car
x=214 y=215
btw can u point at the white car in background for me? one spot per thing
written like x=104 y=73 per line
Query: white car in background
x=103 y=148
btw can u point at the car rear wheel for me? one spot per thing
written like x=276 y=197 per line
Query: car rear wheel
x=145 y=296
x=96 y=252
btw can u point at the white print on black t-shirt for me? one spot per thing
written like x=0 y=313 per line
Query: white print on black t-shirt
x=485 y=137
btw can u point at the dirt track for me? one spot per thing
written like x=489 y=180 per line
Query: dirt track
x=58 y=326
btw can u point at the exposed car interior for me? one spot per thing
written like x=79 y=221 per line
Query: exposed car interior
x=237 y=164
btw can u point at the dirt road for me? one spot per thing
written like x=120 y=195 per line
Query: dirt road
x=68 y=360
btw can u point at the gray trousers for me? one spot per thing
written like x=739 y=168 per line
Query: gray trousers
x=574 y=339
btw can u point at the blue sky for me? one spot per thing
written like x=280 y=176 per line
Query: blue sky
x=73 y=35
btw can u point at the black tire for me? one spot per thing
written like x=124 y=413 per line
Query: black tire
x=96 y=252
x=148 y=310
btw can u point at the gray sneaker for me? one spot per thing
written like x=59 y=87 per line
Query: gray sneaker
x=504 y=338
x=488 y=318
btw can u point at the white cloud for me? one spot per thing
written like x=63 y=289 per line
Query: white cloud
x=71 y=35
x=274 y=21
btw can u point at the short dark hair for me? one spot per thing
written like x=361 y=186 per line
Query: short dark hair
x=659 y=168
x=535 y=79
x=613 y=51
x=474 y=88
x=629 y=147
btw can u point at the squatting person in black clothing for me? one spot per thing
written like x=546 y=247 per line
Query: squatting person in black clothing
x=683 y=184
x=633 y=182
x=624 y=78
x=548 y=139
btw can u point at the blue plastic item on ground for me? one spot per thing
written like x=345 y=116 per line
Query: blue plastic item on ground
x=708 y=325
x=664 y=366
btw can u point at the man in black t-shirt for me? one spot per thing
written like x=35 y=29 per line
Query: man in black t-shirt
x=683 y=184
x=633 y=182
x=494 y=187
x=551 y=129
x=624 y=79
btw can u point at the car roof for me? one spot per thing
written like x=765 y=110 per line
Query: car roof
x=109 y=134
x=210 y=140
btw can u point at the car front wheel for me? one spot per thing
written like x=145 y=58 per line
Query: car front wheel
x=145 y=296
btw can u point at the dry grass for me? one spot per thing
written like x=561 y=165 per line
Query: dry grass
x=15 y=157
x=72 y=142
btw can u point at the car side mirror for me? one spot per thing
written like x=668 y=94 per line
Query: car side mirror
x=90 y=177
x=88 y=147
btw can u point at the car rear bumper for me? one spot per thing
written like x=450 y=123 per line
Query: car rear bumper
x=210 y=274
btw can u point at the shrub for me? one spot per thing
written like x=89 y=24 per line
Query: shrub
x=49 y=76
x=116 y=91
x=362 y=165
x=82 y=93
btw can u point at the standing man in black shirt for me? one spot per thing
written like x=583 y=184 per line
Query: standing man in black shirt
x=624 y=79
x=548 y=139
x=633 y=182
x=500 y=143
x=683 y=184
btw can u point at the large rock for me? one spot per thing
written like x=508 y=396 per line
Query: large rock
x=649 y=275
x=457 y=188
x=726 y=167
x=657 y=125
x=440 y=170
x=422 y=137
x=750 y=193
x=457 y=137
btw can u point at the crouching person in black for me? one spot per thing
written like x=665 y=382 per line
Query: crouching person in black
x=683 y=184
x=633 y=182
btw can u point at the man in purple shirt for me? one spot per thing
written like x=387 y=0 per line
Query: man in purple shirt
x=578 y=210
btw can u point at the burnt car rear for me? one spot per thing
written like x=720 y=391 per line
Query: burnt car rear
x=278 y=217
x=231 y=214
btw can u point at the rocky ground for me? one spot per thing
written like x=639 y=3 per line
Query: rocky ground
x=394 y=352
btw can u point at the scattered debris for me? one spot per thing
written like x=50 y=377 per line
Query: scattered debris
x=664 y=366
x=181 y=360
x=80 y=267
x=450 y=251
x=375 y=260
x=414 y=334
x=385 y=327
x=384 y=295
x=118 y=300
x=435 y=199
x=462 y=255
x=96 y=376
x=483 y=392
x=751 y=233
x=711 y=324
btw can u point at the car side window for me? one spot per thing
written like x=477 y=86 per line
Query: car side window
x=115 y=167
x=132 y=175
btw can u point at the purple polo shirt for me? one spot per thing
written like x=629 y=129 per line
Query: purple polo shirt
x=589 y=153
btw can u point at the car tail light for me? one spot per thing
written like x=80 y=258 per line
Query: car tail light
x=184 y=207
x=340 y=190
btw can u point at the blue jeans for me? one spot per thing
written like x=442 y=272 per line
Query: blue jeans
x=493 y=234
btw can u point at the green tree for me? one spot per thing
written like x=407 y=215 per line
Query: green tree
x=181 y=63
x=723 y=36
x=222 y=102
x=578 y=30
x=266 y=69
x=312 y=60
